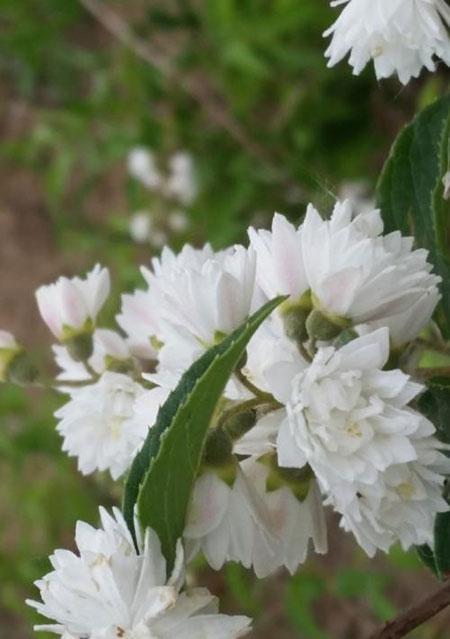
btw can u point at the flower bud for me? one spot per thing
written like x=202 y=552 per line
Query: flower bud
x=297 y=479
x=240 y=424
x=80 y=347
x=323 y=327
x=9 y=350
x=294 y=315
x=218 y=448
x=21 y=369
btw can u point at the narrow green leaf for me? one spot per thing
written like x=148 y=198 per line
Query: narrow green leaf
x=163 y=473
x=426 y=554
x=410 y=190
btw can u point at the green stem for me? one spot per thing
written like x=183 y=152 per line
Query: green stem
x=262 y=396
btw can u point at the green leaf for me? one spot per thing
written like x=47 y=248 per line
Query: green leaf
x=410 y=191
x=163 y=473
x=435 y=405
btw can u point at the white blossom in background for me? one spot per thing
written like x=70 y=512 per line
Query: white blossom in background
x=178 y=221
x=100 y=427
x=357 y=192
x=71 y=305
x=110 y=591
x=402 y=505
x=142 y=166
x=400 y=36
x=141 y=226
x=181 y=183
x=345 y=417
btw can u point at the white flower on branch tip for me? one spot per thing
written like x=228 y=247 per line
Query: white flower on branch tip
x=142 y=166
x=400 y=36
x=110 y=590
x=401 y=506
x=345 y=417
x=71 y=305
x=99 y=424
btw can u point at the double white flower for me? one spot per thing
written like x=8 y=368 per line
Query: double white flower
x=400 y=36
x=112 y=591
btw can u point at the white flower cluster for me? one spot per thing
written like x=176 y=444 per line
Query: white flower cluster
x=400 y=36
x=172 y=189
x=319 y=413
x=113 y=591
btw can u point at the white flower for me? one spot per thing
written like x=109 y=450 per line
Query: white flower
x=111 y=591
x=142 y=166
x=109 y=347
x=139 y=318
x=400 y=36
x=229 y=523
x=181 y=183
x=280 y=268
x=71 y=305
x=141 y=227
x=201 y=305
x=245 y=522
x=355 y=273
x=292 y=523
x=402 y=504
x=346 y=417
x=99 y=426
x=178 y=221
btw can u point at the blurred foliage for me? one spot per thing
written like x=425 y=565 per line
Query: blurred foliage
x=87 y=102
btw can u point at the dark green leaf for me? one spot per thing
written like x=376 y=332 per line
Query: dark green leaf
x=427 y=556
x=410 y=190
x=162 y=476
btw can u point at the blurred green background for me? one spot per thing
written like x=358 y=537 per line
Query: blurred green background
x=242 y=86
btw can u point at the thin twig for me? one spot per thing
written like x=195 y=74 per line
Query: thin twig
x=196 y=85
x=415 y=616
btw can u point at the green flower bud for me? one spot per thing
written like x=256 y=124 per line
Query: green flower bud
x=297 y=479
x=80 y=346
x=218 y=448
x=324 y=327
x=21 y=370
x=294 y=314
x=345 y=336
x=240 y=424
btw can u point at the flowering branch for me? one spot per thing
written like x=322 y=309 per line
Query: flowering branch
x=416 y=615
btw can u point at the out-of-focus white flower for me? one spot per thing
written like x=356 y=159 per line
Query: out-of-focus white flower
x=9 y=348
x=109 y=348
x=141 y=227
x=110 y=590
x=139 y=318
x=402 y=504
x=356 y=191
x=72 y=305
x=158 y=238
x=229 y=523
x=142 y=166
x=400 y=36
x=178 y=221
x=355 y=273
x=181 y=183
x=346 y=417
x=99 y=425
x=280 y=268
x=203 y=305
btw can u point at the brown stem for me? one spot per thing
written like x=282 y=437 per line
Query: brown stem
x=415 y=616
x=434 y=371
x=199 y=87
